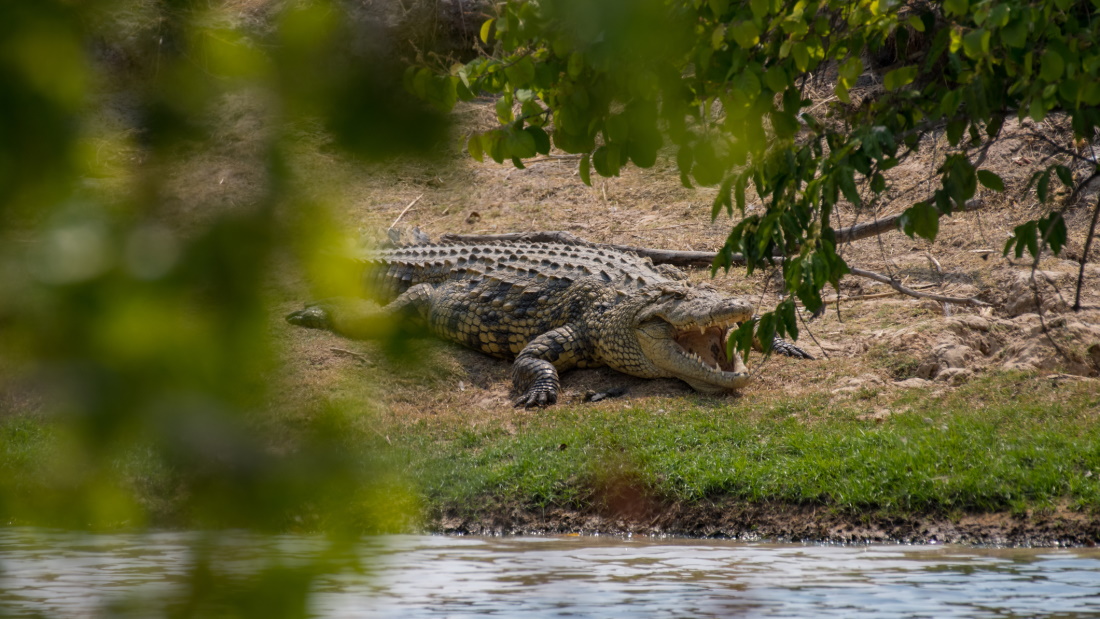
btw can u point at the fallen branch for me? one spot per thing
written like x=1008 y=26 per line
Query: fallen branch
x=353 y=355
x=886 y=224
x=896 y=285
x=415 y=200
x=861 y=297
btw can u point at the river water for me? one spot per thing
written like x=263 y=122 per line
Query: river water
x=63 y=575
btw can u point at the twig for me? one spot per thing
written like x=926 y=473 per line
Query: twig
x=417 y=199
x=806 y=328
x=553 y=158
x=935 y=263
x=661 y=228
x=896 y=285
x=353 y=355
x=1085 y=255
x=861 y=297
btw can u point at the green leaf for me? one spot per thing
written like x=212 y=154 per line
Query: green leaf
x=1024 y=236
x=915 y=23
x=878 y=183
x=504 y=110
x=991 y=180
x=801 y=56
x=785 y=124
x=685 y=157
x=643 y=152
x=788 y=318
x=851 y=69
x=845 y=178
x=719 y=7
x=765 y=332
x=586 y=170
x=776 y=78
x=921 y=219
x=1015 y=34
x=542 y=140
x=723 y=198
x=1064 y=175
x=741 y=338
x=746 y=34
x=607 y=160
x=760 y=8
x=1037 y=110
x=841 y=92
x=1042 y=190
x=956 y=7
x=718 y=37
x=494 y=144
x=707 y=169
x=474 y=147
x=976 y=43
x=739 y=192
x=576 y=65
x=618 y=128
x=521 y=72
x=1053 y=229
x=900 y=77
x=486 y=30
x=521 y=143
x=955 y=128
x=1051 y=66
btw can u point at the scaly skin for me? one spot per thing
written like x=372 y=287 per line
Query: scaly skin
x=552 y=307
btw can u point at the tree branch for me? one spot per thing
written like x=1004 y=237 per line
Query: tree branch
x=896 y=285
x=674 y=257
x=1085 y=255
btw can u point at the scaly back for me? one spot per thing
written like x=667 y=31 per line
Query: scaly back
x=389 y=272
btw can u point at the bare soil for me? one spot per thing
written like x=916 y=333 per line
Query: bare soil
x=787 y=523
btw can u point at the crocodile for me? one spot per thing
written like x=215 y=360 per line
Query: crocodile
x=552 y=307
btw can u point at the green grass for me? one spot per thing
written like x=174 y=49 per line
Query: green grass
x=1004 y=442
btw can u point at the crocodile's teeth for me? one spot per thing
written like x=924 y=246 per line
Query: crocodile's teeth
x=702 y=330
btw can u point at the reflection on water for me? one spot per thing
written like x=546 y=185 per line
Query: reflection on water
x=426 y=576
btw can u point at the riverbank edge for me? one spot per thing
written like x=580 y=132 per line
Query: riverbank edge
x=1060 y=527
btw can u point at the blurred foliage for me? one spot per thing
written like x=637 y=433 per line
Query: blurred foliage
x=726 y=85
x=136 y=350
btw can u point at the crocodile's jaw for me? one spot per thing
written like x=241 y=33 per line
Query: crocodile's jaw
x=695 y=355
x=680 y=331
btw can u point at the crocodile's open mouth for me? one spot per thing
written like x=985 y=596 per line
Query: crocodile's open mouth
x=707 y=345
x=702 y=361
x=684 y=336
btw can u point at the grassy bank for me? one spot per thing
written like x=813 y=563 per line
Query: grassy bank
x=1009 y=442
x=1006 y=442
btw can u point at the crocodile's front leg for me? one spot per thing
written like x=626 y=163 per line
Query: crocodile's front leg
x=352 y=320
x=535 y=372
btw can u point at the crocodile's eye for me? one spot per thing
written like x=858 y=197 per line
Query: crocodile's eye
x=678 y=294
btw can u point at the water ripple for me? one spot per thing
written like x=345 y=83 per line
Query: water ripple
x=428 y=576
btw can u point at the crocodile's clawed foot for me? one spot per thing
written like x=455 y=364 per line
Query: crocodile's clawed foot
x=536 y=398
x=788 y=349
x=313 y=317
